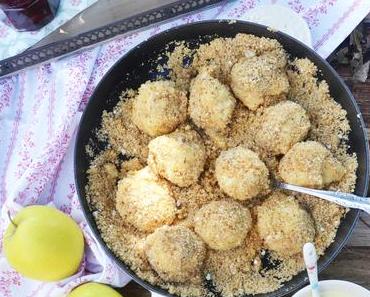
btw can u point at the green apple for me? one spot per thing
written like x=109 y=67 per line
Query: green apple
x=43 y=243
x=94 y=290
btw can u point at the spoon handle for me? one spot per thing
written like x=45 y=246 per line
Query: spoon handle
x=343 y=199
x=310 y=260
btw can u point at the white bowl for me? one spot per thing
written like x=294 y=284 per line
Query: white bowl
x=335 y=288
x=281 y=18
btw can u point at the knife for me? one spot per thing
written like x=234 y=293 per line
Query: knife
x=102 y=21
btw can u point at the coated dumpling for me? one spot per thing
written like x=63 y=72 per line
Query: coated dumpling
x=159 y=107
x=211 y=104
x=179 y=157
x=223 y=224
x=175 y=252
x=241 y=174
x=144 y=201
x=283 y=225
x=310 y=164
x=255 y=78
x=282 y=126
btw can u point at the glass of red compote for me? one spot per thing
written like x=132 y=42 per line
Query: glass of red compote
x=29 y=15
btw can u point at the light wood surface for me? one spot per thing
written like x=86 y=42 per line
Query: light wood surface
x=353 y=262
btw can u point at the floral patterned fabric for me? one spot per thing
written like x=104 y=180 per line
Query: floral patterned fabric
x=40 y=109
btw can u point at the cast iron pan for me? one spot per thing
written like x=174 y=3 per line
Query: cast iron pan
x=136 y=67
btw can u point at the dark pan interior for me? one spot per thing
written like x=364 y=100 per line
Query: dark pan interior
x=136 y=67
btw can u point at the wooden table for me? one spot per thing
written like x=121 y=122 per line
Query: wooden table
x=353 y=263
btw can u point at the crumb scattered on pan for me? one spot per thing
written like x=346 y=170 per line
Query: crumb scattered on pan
x=248 y=268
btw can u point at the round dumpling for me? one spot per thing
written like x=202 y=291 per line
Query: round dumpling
x=175 y=253
x=310 y=164
x=255 y=78
x=241 y=174
x=179 y=157
x=159 y=107
x=223 y=224
x=144 y=201
x=211 y=104
x=282 y=126
x=283 y=225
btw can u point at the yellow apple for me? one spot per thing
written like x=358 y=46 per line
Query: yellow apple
x=94 y=290
x=43 y=243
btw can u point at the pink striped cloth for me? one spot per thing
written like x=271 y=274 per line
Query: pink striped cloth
x=41 y=107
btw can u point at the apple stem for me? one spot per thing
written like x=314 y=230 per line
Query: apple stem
x=11 y=220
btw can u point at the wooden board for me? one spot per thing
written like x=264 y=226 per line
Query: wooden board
x=354 y=261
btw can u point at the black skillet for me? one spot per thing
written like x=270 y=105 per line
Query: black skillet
x=136 y=67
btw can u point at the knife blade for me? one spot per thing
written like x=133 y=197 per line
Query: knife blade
x=99 y=14
x=100 y=22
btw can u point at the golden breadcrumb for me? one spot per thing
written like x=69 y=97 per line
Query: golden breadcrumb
x=331 y=123
x=221 y=54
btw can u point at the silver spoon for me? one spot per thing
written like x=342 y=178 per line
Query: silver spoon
x=310 y=259
x=343 y=199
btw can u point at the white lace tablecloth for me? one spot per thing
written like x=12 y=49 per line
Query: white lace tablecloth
x=41 y=107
